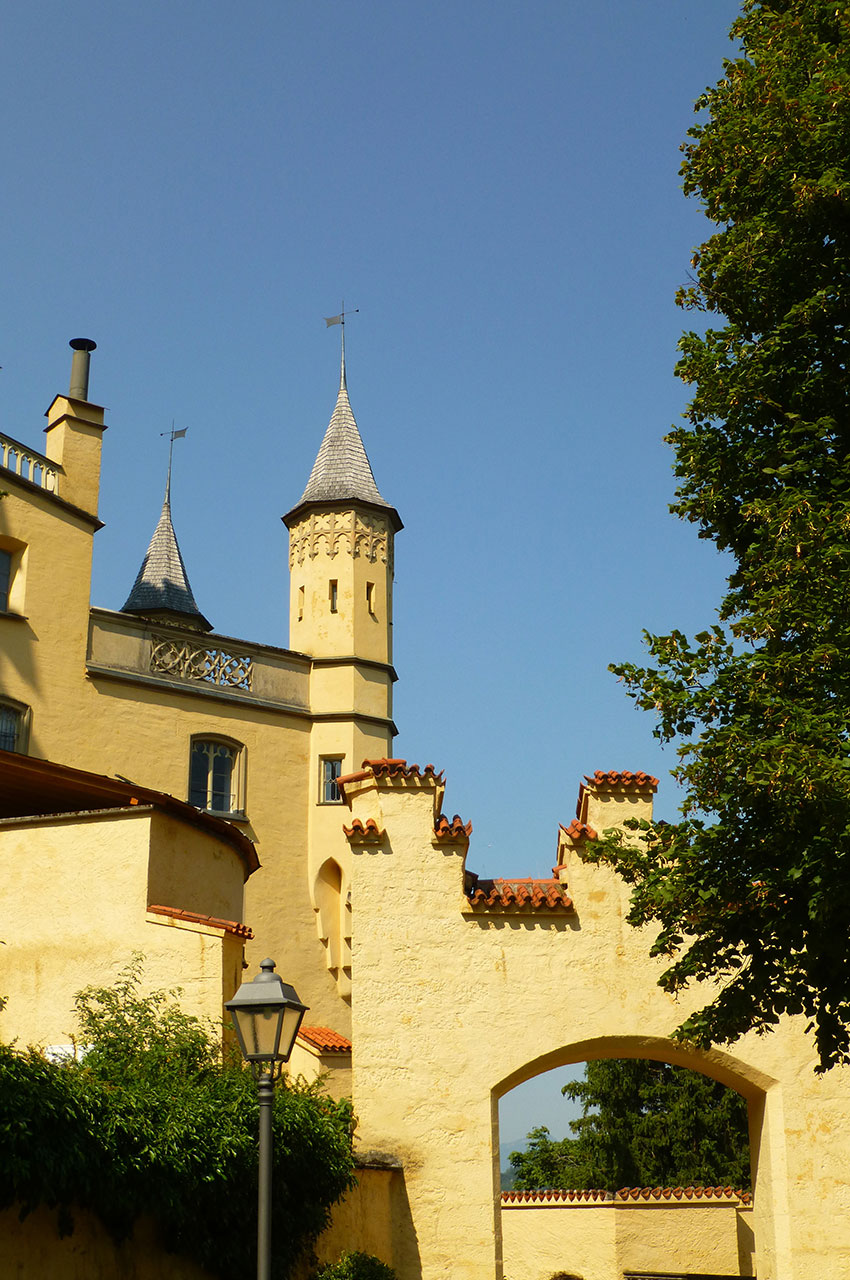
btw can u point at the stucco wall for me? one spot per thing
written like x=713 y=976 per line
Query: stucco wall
x=74 y=911
x=598 y=1241
x=33 y=1248
x=452 y=1008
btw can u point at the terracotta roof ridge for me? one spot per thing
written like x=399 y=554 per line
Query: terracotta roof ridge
x=579 y=830
x=368 y=830
x=529 y=893
x=627 y=1194
x=622 y=779
x=564 y=1195
x=686 y=1193
x=196 y=917
x=455 y=829
x=325 y=1038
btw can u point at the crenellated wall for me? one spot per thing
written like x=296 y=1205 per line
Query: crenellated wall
x=464 y=988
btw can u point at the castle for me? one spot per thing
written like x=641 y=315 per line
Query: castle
x=250 y=736
x=208 y=801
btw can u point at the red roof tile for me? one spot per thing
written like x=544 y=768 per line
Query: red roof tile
x=454 y=830
x=517 y=895
x=325 y=1039
x=621 y=780
x=370 y=831
x=578 y=830
x=400 y=769
x=385 y=768
x=627 y=1194
x=555 y=1194
x=230 y=926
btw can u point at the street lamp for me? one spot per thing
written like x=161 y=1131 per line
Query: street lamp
x=266 y=1016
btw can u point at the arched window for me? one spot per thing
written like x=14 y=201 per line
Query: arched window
x=217 y=775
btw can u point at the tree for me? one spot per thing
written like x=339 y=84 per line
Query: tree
x=642 y=1124
x=152 y=1120
x=751 y=888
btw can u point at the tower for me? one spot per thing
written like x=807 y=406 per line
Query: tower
x=341 y=534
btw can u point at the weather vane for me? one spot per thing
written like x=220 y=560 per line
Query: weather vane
x=175 y=435
x=340 y=320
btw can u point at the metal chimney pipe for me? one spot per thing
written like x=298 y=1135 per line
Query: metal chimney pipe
x=80 y=361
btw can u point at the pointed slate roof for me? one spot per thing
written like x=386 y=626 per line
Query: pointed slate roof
x=162 y=584
x=342 y=472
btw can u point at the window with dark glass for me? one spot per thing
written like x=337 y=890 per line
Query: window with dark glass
x=5 y=580
x=214 y=776
x=13 y=723
x=331 y=769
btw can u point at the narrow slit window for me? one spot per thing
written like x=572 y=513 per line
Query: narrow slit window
x=331 y=769
x=332 y=594
x=300 y=604
x=370 y=597
x=5 y=580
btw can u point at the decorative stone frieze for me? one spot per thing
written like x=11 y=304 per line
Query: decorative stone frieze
x=182 y=661
x=353 y=533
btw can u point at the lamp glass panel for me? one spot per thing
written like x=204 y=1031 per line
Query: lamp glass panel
x=291 y=1022
x=258 y=1030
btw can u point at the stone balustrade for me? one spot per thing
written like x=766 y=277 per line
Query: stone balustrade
x=28 y=464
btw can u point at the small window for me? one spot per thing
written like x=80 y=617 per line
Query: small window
x=300 y=604
x=5 y=580
x=370 y=597
x=332 y=593
x=215 y=776
x=330 y=770
x=14 y=726
x=13 y=560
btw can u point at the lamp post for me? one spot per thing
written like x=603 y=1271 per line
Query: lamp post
x=266 y=1016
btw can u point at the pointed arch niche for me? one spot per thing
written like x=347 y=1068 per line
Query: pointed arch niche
x=332 y=904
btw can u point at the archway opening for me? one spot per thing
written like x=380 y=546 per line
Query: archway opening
x=612 y=1123
x=646 y=1165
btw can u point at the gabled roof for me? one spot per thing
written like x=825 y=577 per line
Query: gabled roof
x=162 y=584
x=342 y=472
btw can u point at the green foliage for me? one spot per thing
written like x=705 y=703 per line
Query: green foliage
x=643 y=1124
x=751 y=888
x=356 y=1266
x=152 y=1121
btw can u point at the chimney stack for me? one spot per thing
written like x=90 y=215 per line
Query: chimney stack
x=80 y=361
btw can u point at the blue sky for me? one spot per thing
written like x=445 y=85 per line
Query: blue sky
x=196 y=185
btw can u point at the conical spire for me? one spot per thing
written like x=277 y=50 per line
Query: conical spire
x=342 y=472
x=162 y=584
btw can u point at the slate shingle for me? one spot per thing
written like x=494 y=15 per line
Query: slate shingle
x=162 y=583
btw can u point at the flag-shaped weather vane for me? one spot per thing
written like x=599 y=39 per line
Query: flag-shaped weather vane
x=340 y=320
x=175 y=435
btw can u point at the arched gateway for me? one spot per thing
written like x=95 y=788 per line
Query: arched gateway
x=466 y=988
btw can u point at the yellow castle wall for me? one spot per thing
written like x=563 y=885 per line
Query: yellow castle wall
x=599 y=1241
x=74 y=911
x=95 y=704
x=452 y=1008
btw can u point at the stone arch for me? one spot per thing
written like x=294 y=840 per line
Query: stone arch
x=762 y=1091
x=738 y=1073
x=466 y=987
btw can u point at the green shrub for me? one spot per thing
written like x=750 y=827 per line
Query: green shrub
x=356 y=1266
x=153 y=1121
